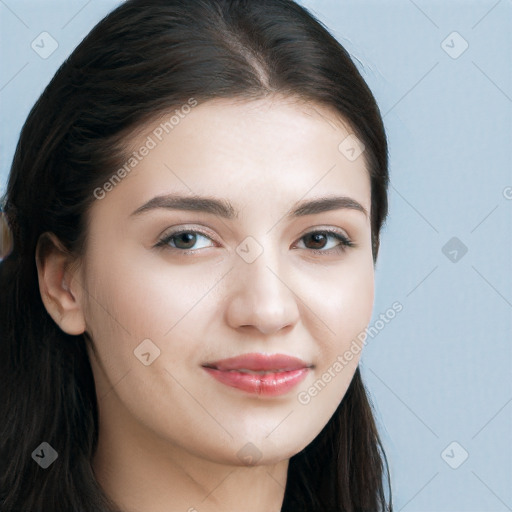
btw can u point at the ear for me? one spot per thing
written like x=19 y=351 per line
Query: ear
x=59 y=285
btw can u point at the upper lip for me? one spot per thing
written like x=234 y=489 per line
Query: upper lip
x=259 y=362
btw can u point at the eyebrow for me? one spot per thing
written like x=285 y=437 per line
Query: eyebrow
x=224 y=209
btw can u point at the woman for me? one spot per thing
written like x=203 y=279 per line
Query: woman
x=195 y=204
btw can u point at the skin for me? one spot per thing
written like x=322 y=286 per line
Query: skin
x=170 y=434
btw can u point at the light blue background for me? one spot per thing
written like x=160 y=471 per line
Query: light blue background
x=441 y=370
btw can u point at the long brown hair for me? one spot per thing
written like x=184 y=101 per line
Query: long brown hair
x=145 y=58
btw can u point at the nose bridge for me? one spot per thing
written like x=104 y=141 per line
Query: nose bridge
x=261 y=296
x=259 y=266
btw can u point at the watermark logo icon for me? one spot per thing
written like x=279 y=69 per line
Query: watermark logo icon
x=249 y=454
x=454 y=249
x=44 y=45
x=249 y=249
x=351 y=147
x=454 y=455
x=454 y=45
x=45 y=455
x=146 y=352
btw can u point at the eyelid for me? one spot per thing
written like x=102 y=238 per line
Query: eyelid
x=328 y=229
x=180 y=228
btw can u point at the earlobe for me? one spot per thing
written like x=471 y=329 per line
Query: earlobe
x=60 y=291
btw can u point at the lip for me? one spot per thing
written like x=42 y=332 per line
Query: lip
x=284 y=373
x=259 y=362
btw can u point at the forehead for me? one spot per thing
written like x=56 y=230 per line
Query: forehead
x=274 y=149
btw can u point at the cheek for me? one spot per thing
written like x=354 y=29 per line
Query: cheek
x=351 y=304
x=163 y=301
x=135 y=301
x=343 y=300
x=344 y=304
x=139 y=299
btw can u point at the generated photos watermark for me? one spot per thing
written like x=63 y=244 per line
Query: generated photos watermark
x=151 y=142
x=342 y=360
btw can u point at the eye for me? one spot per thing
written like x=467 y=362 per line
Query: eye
x=319 y=238
x=184 y=240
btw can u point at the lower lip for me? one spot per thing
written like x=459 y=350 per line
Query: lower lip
x=270 y=384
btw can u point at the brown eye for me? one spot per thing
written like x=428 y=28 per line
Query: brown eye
x=317 y=241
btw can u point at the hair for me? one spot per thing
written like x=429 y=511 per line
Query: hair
x=142 y=60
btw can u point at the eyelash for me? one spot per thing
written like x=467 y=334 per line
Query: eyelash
x=342 y=247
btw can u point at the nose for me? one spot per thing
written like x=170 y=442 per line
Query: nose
x=260 y=297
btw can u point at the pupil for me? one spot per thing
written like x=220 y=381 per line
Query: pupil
x=316 y=237
x=187 y=238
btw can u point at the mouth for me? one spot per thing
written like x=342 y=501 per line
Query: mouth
x=261 y=374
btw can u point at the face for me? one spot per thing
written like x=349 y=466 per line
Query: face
x=173 y=285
